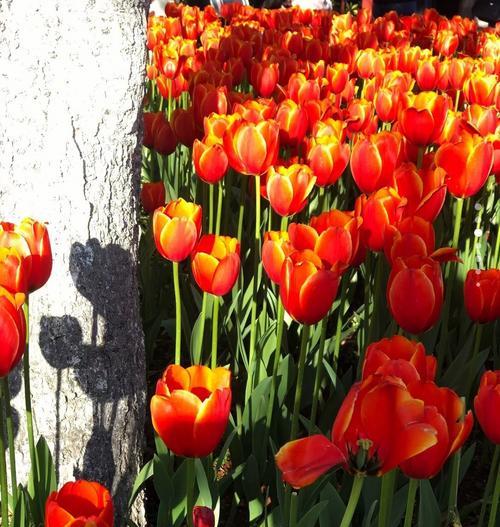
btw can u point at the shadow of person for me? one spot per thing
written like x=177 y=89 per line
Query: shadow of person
x=102 y=365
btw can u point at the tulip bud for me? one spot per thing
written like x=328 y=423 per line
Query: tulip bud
x=152 y=196
x=482 y=295
x=203 y=517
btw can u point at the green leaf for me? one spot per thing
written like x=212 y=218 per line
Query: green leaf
x=179 y=492
x=145 y=473
x=312 y=515
x=21 y=517
x=205 y=497
x=251 y=486
x=164 y=489
x=332 y=514
x=429 y=514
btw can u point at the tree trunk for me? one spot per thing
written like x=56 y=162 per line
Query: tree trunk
x=71 y=89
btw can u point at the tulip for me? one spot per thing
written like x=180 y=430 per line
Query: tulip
x=307 y=288
x=264 y=77
x=328 y=159
x=420 y=279
x=411 y=236
x=337 y=75
x=359 y=115
x=203 y=516
x=275 y=249
x=388 y=102
x=215 y=263
x=427 y=74
x=374 y=159
x=446 y=42
x=293 y=122
x=191 y=407
x=423 y=120
x=287 y=188
x=254 y=110
x=152 y=196
x=12 y=330
x=444 y=410
x=467 y=164
x=482 y=295
x=483 y=120
x=14 y=271
x=184 y=126
x=164 y=139
x=79 y=504
x=382 y=208
x=149 y=124
x=176 y=229
x=210 y=160
x=399 y=357
x=481 y=88
x=252 y=148
x=487 y=405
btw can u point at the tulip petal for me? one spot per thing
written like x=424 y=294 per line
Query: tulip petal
x=226 y=274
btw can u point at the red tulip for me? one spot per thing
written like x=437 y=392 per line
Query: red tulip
x=388 y=102
x=215 y=263
x=152 y=196
x=467 y=164
x=14 y=270
x=420 y=279
x=328 y=159
x=446 y=42
x=487 y=405
x=264 y=77
x=191 y=408
x=411 y=236
x=337 y=75
x=359 y=115
x=427 y=74
x=203 y=517
x=79 y=504
x=481 y=88
x=184 y=126
x=176 y=229
x=12 y=330
x=210 y=160
x=483 y=120
x=293 y=122
x=287 y=188
x=164 y=139
x=275 y=249
x=482 y=295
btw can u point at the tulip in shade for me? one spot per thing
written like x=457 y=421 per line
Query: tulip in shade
x=482 y=295
x=307 y=288
x=152 y=196
x=415 y=293
x=12 y=330
x=275 y=249
x=191 y=408
x=215 y=263
x=176 y=229
x=487 y=405
x=444 y=410
x=203 y=516
x=79 y=504
x=467 y=164
x=287 y=188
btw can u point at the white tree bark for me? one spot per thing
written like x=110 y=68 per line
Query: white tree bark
x=71 y=88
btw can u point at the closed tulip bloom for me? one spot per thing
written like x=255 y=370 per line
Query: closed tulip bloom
x=487 y=405
x=264 y=77
x=293 y=122
x=184 y=126
x=374 y=159
x=275 y=249
x=459 y=70
x=400 y=357
x=307 y=288
x=446 y=42
x=359 y=115
x=79 y=504
x=12 y=330
x=483 y=120
x=252 y=148
x=210 y=160
x=287 y=188
x=382 y=208
x=427 y=74
x=152 y=196
x=337 y=75
x=14 y=271
x=387 y=104
x=467 y=164
x=482 y=295
x=443 y=410
x=411 y=236
x=149 y=123
x=420 y=279
x=176 y=229
x=481 y=88
x=215 y=263
x=164 y=139
x=191 y=407
x=423 y=120
x=203 y=516
x=328 y=158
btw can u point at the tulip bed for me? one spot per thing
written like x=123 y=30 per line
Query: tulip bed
x=320 y=282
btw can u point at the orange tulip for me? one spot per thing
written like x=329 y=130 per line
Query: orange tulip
x=374 y=159
x=275 y=249
x=369 y=63
x=482 y=295
x=388 y=103
x=337 y=75
x=12 y=330
x=487 y=405
x=399 y=357
x=418 y=278
x=191 y=407
x=443 y=411
x=481 y=88
x=79 y=504
x=293 y=122
x=328 y=159
x=152 y=196
x=215 y=263
x=382 y=208
x=287 y=188
x=446 y=42
x=411 y=236
x=427 y=74
x=176 y=229
x=483 y=120
x=264 y=77
x=467 y=164
x=14 y=270
x=252 y=148
x=423 y=120
x=359 y=115
x=307 y=288
x=210 y=160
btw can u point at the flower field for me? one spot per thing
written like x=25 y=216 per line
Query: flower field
x=319 y=271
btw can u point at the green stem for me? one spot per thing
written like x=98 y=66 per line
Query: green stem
x=410 y=502
x=215 y=330
x=319 y=371
x=420 y=156
x=202 y=327
x=379 y=268
x=211 y=209
x=357 y=485
x=386 y=496
x=338 y=331
x=495 y=257
x=300 y=381
x=10 y=437
x=294 y=505
x=496 y=498
x=284 y=223
x=366 y=307
x=241 y=210
x=220 y=193
x=177 y=292
x=489 y=485
x=452 y=498
x=458 y=222
x=190 y=482
x=4 y=490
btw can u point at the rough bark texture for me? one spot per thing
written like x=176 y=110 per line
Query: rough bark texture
x=71 y=88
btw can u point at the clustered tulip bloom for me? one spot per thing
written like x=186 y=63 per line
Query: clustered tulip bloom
x=79 y=504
